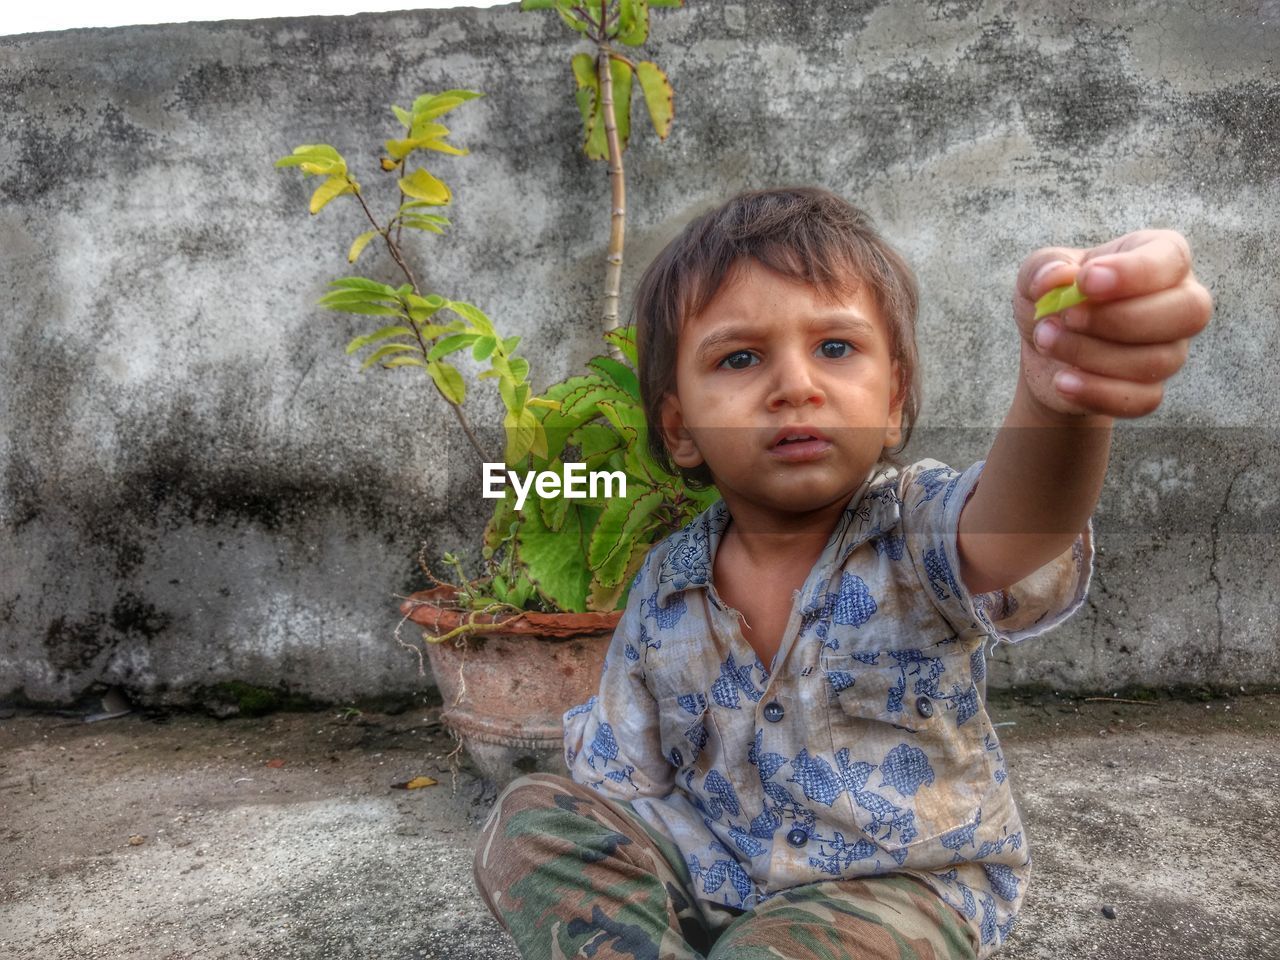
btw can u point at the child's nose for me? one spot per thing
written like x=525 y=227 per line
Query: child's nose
x=795 y=382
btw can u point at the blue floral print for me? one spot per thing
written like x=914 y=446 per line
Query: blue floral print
x=865 y=746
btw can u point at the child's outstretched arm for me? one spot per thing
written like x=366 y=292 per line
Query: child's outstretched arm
x=1105 y=358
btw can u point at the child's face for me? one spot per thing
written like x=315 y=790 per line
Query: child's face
x=768 y=358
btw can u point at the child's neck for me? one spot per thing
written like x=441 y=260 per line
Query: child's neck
x=769 y=540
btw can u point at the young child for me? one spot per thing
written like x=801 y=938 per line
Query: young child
x=789 y=756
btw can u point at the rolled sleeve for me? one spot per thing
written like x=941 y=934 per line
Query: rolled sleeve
x=933 y=495
x=611 y=741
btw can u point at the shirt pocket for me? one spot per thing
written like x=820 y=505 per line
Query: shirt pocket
x=914 y=749
x=685 y=726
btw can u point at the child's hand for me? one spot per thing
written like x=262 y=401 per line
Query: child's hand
x=1111 y=354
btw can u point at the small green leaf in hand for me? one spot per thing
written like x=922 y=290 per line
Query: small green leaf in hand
x=1058 y=299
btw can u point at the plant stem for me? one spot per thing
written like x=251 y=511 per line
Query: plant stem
x=618 y=183
x=404 y=267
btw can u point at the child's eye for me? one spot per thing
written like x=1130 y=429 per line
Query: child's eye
x=738 y=360
x=835 y=349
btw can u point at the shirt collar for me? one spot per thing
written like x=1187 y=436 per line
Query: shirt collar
x=873 y=509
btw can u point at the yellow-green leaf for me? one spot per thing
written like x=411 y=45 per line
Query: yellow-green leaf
x=358 y=245
x=658 y=96
x=448 y=381
x=386 y=351
x=333 y=187
x=404 y=362
x=359 y=343
x=584 y=72
x=1059 y=299
x=423 y=186
x=403 y=115
x=521 y=433
x=472 y=315
x=633 y=22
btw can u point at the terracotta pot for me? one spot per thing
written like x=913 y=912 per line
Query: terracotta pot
x=507 y=687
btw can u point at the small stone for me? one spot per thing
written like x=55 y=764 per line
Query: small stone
x=1109 y=911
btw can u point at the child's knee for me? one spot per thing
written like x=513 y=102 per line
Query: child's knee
x=522 y=799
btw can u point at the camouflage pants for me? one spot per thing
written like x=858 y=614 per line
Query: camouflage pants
x=569 y=873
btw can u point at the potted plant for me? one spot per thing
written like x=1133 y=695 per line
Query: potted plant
x=516 y=645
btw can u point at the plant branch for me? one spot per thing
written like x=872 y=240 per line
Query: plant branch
x=618 y=212
x=396 y=255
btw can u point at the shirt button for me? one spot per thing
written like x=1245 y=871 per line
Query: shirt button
x=676 y=758
x=797 y=837
x=924 y=707
x=773 y=711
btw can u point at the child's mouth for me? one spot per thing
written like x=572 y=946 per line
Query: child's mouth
x=800 y=446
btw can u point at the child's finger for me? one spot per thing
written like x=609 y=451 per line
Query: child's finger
x=1045 y=269
x=1161 y=317
x=1144 y=363
x=1106 y=395
x=1136 y=264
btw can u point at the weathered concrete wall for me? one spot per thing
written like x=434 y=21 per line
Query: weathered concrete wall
x=199 y=486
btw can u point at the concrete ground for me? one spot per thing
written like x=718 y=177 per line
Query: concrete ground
x=281 y=837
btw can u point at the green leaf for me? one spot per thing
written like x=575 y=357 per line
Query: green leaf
x=315 y=159
x=658 y=96
x=344 y=294
x=633 y=22
x=556 y=570
x=571 y=19
x=509 y=345
x=520 y=435
x=429 y=106
x=422 y=309
x=359 y=343
x=404 y=362
x=624 y=338
x=386 y=351
x=418 y=223
x=363 y=283
x=452 y=344
x=1059 y=299
x=595 y=143
x=519 y=368
x=426 y=136
x=358 y=245
x=364 y=307
x=423 y=186
x=403 y=115
x=333 y=187
x=604 y=598
x=449 y=381
x=618 y=523
x=588 y=81
x=619 y=374
x=587 y=398
x=472 y=315
x=622 y=418
x=640 y=506
x=554 y=509
x=481 y=349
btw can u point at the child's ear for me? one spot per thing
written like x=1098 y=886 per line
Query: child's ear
x=684 y=452
x=893 y=433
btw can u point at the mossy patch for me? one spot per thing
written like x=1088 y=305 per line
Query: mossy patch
x=234 y=698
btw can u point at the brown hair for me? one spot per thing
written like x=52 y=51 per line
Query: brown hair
x=805 y=233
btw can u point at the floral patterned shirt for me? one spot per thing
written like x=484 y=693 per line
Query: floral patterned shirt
x=865 y=747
